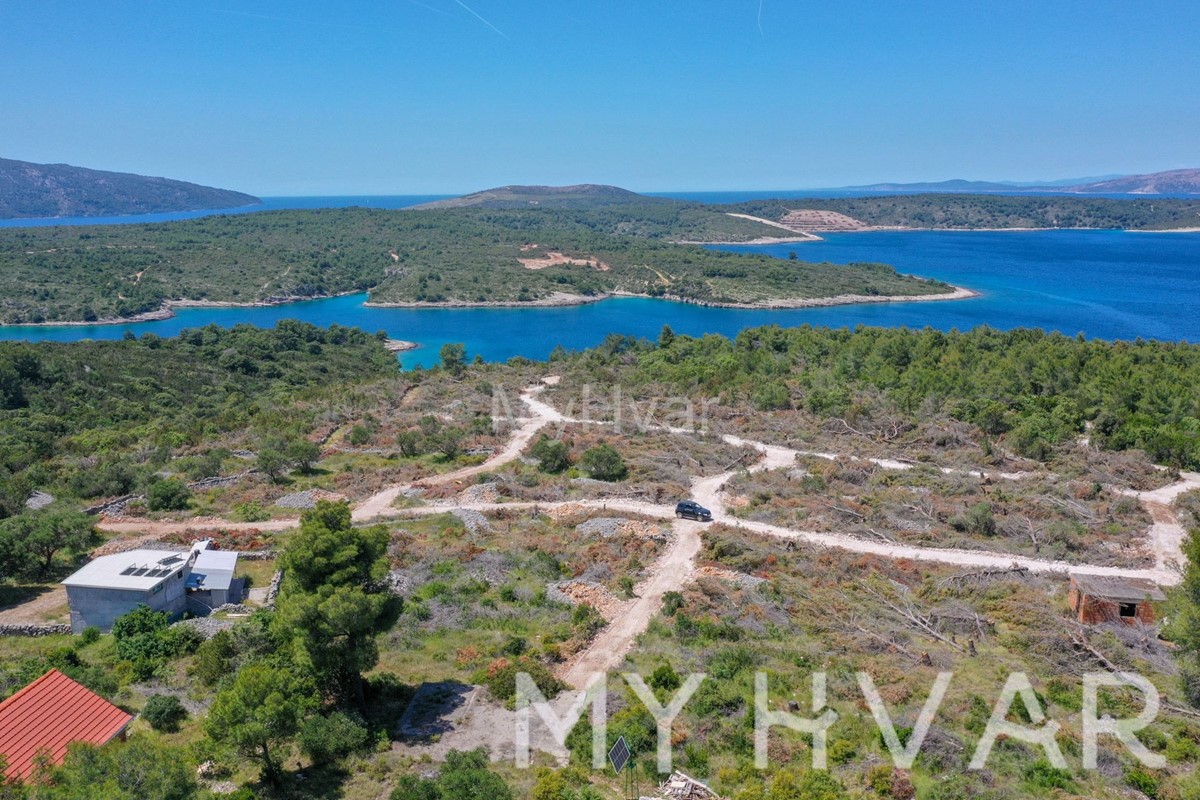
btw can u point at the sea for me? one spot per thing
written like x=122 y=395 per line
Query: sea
x=1112 y=285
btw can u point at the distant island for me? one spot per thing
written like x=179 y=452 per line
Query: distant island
x=563 y=251
x=1173 y=182
x=30 y=190
x=513 y=245
x=579 y=195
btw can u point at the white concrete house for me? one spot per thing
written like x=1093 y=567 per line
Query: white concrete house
x=165 y=580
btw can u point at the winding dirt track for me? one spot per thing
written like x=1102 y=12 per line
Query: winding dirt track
x=676 y=566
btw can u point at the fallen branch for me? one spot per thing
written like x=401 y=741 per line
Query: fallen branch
x=978 y=576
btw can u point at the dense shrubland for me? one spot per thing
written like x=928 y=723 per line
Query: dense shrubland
x=463 y=255
x=1022 y=393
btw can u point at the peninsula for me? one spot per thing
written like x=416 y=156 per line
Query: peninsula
x=60 y=190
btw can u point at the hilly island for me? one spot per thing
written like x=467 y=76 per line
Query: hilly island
x=515 y=245
x=61 y=190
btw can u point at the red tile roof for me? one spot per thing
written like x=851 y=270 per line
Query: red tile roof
x=49 y=714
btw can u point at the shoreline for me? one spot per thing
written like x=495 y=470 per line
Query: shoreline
x=812 y=236
x=167 y=311
x=562 y=299
x=556 y=300
x=959 y=293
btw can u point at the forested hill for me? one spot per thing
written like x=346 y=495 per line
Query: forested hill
x=61 y=190
x=966 y=211
x=578 y=196
x=453 y=256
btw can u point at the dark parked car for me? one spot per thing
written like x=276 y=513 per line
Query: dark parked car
x=692 y=510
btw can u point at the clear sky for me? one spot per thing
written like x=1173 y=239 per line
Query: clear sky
x=301 y=97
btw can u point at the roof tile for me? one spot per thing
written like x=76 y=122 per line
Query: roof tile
x=49 y=714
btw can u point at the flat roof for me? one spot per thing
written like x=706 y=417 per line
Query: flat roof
x=213 y=570
x=49 y=714
x=1111 y=587
x=134 y=570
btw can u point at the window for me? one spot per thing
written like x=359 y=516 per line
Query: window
x=156 y=589
x=1128 y=609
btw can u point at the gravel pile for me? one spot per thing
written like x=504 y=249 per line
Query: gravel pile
x=207 y=626
x=39 y=500
x=579 y=592
x=299 y=500
x=481 y=493
x=307 y=499
x=604 y=527
x=608 y=527
x=491 y=568
x=474 y=520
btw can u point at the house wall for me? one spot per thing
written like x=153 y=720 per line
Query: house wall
x=99 y=607
x=1096 y=610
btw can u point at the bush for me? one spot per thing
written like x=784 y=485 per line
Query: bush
x=164 y=712
x=168 y=494
x=672 y=602
x=665 y=678
x=978 y=520
x=1041 y=774
x=501 y=678
x=90 y=635
x=251 y=512
x=329 y=739
x=603 y=463
x=553 y=455
x=214 y=659
x=1144 y=782
x=772 y=396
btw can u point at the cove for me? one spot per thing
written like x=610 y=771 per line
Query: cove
x=1104 y=284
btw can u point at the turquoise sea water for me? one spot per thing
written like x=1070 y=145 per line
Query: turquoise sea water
x=1105 y=284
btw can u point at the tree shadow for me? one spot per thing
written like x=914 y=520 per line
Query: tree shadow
x=12 y=596
x=323 y=781
x=433 y=711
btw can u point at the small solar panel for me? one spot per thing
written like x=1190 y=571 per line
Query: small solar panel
x=129 y=570
x=619 y=755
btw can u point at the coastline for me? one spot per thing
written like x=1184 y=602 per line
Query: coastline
x=959 y=293
x=811 y=236
x=555 y=300
x=561 y=299
x=167 y=311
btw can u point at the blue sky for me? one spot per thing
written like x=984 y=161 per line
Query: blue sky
x=446 y=96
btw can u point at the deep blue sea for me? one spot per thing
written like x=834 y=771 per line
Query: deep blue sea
x=1104 y=284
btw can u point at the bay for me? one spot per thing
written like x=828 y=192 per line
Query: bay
x=1104 y=284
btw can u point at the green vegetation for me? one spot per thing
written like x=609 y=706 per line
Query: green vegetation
x=948 y=211
x=164 y=712
x=465 y=776
x=457 y=255
x=333 y=601
x=100 y=419
x=1027 y=389
x=604 y=463
x=30 y=544
x=302 y=701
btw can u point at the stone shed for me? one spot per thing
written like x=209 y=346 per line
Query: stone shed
x=1105 y=598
